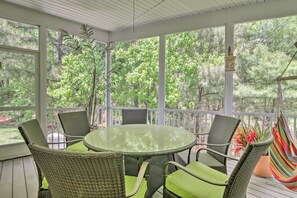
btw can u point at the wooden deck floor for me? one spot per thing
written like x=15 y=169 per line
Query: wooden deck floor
x=18 y=179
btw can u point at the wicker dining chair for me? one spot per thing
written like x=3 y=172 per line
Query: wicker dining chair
x=219 y=139
x=75 y=126
x=88 y=174
x=134 y=116
x=140 y=116
x=32 y=133
x=199 y=180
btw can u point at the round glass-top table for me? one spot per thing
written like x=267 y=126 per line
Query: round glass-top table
x=140 y=139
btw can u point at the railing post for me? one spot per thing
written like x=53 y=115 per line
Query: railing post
x=162 y=64
x=228 y=95
x=41 y=85
x=108 y=81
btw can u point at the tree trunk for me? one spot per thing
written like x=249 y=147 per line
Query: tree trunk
x=59 y=50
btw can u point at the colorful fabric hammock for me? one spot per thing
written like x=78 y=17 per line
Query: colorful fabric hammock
x=283 y=154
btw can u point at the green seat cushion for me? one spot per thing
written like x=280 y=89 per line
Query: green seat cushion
x=185 y=185
x=44 y=184
x=78 y=147
x=130 y=182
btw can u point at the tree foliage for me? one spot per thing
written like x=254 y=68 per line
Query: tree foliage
x=82 y=79
x=263 y=50
x=195 y=76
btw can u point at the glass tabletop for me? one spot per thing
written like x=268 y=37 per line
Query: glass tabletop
x=140 y=139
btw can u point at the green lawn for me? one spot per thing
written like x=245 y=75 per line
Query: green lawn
x=9 y=136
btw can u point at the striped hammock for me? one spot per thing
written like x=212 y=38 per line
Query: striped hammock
x=283 y=152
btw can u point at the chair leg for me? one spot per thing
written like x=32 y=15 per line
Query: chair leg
x=189 y=155
x=131 y=166
x=44 y=194
x=155 y=179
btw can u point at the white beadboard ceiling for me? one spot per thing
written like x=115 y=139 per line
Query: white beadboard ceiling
x=117 y=15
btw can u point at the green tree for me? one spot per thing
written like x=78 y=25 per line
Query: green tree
x=135 y=80
x=264 y=49
x=82 y=79
x=195 y=74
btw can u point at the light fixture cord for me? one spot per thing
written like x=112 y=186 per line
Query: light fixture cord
x=295 y=44
x=133 y=14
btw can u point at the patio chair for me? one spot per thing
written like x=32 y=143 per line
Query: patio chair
x=32 y=133
x=199 y=180
x=219 y=138
x=139 y=116
x=75 y=126
x=88 y=174
x=134 y=116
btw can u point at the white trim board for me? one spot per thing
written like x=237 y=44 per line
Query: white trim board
x=10 y=151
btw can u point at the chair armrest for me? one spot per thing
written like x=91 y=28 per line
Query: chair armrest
x=140 y=176
x=93 y=127
x=65 y=142
x=216 y=152
x=74 y=136
x=208 y=144
x=188 y=171
x=202 y=134
x=204 y=144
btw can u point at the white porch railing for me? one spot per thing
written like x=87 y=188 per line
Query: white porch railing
x=195 y=121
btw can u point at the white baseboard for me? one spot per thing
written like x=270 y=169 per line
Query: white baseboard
x=10 y=151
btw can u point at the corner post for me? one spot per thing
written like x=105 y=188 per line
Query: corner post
x=229 y=48
x=41 y=84
x=108 y=81
x=162 y=79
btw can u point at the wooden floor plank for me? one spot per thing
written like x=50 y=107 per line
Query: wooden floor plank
x=275 y=188
x=30 y=177
x=270 y=186
x=19 y=184
x=6 y=179
x=261 y=191
x=251 y=195
x=158 y=195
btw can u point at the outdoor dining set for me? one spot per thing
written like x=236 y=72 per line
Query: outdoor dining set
x=136 y=158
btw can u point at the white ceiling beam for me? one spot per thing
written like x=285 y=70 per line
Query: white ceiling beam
x=29 y=16
x=267 y=10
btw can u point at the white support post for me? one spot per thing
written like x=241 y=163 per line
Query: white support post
x=228 y=99
x=162 y=79
x=41 y=85
x=108 y=88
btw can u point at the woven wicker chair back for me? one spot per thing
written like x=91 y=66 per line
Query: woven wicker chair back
x=134 y=116
x=240 y=177
x=32 y=133
x=73 y=174
x=221 y=132
x=74 y=123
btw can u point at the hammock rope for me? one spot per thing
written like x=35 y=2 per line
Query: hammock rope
x=283 y=152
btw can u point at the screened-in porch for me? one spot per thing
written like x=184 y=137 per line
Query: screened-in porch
x=184 y=61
